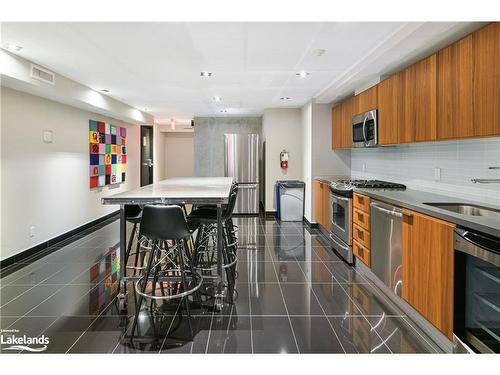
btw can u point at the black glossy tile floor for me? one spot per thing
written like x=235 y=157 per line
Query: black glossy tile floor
x=293 y=295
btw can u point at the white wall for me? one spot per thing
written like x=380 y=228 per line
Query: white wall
x=178 y=155
x=281 y=130
x=414 y=165
x=307 y=177
x=319 y=158
x=15 y=74
x=46 y=185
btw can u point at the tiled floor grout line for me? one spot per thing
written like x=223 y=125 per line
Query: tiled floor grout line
x=250 y=310
x=57 y=291
x=286 y=308
x=50 y=325
x=90 y=325
x=324 y=312
x=227 y=329
x=44 y=265
x=210 y=330
x=41 y=283
x=225 y=315
x=355 y=304
x=169 y=327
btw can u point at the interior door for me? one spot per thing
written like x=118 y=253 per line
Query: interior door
x=146 y=155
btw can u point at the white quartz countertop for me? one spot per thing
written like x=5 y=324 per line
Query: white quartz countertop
x=177 y=190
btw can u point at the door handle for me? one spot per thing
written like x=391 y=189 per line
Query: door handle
x=364 y=131
x=249 y=186
x=386 y=211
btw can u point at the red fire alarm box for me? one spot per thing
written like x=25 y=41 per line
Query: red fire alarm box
x=284 y=159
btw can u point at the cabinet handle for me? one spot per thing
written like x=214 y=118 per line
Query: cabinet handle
x=360 y=250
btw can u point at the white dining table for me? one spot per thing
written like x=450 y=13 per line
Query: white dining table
x=190 y=190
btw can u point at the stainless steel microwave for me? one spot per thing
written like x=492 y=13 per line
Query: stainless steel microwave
x=365 y=129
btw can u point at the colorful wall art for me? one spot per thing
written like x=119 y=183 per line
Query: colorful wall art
x=108 y=153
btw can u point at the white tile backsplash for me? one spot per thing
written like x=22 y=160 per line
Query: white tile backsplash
x=413 y=165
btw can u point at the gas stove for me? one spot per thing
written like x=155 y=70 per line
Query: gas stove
x=346 y=186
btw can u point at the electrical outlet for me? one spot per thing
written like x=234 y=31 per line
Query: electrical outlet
x=437 y=174
x=32 y=231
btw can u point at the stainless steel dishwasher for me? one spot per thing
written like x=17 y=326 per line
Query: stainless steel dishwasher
x=386 y=244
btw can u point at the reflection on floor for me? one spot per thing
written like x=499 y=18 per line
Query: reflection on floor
x=293 y=295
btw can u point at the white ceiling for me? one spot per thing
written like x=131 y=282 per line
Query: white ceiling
x=157 y=65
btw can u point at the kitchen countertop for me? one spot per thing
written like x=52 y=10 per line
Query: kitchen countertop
x=414 y=200
x=207 y=190
x=330 y=179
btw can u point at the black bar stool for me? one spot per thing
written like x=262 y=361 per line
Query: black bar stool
x=133 y=214
x=169 y=266
x=205 y=248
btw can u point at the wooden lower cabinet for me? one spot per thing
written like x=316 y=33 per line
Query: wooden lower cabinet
x=327 y=209
x=318 y=201
x=428 y=248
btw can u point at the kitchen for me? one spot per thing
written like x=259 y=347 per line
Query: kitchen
x=257 y=188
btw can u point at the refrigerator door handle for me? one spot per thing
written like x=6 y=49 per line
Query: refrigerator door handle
x=247 y=186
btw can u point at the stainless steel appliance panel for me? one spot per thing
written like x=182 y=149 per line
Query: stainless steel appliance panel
x=365 y=129
x=477 y=291
x=341 y=217
x=242 y=157
x=386 y=244
x=247 y=201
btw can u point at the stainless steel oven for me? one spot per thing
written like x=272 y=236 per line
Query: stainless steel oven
x=477 y=292
x=365 y=129
x=341 y=219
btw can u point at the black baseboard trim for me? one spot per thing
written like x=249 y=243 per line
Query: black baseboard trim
x=309 y=224
x=33 y=251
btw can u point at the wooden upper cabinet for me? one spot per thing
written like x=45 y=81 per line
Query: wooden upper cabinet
x=390 y=109
x=318 y=201
x=348 y=111
x=486 y=80
x=367 y=100
x=337 y=133
x=428 y=248
x=342 y=124
x=454 y=90
x=420 y=101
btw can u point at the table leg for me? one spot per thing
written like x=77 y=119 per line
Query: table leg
x=123 y=263
x=219 y=294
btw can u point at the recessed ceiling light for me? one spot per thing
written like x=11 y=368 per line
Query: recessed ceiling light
x=285 y=98
x=223 y=111
x=217 y=98
x=104 y=90
x=302 y=74
x=206 y=74
x=13 y=47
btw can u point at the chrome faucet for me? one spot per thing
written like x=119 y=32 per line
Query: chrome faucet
x=486 y=180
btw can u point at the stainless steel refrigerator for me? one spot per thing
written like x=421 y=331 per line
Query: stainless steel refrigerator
x=241 y=159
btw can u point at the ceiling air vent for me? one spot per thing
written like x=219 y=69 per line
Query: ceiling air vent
x=43 y=75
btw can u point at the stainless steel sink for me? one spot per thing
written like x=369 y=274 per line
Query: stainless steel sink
x=467 y=209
